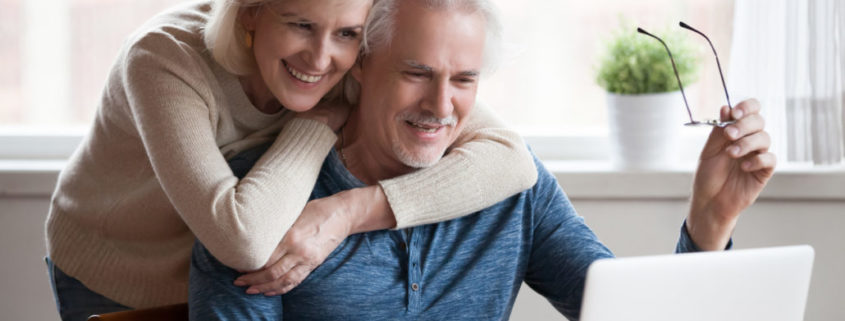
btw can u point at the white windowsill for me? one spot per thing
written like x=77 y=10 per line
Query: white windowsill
x=31 y=160
x=599 y=180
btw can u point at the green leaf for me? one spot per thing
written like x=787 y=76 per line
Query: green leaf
x=633 y=63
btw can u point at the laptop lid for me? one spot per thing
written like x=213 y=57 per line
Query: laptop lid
x=753 y=284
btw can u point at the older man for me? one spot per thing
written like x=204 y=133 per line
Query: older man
x=418 y=86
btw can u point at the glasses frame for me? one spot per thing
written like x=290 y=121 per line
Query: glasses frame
x=693 y=122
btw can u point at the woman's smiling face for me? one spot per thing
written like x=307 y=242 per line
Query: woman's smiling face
x=304 y=47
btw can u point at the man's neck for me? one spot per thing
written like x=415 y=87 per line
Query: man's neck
x=364 y=157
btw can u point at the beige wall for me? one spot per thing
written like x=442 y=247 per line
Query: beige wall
x=25 y=289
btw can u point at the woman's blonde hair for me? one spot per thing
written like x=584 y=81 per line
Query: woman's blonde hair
x=224 y=36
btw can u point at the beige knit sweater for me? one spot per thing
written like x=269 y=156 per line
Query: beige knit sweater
x=152 y=173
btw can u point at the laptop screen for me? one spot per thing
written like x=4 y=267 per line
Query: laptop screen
x=752 y=284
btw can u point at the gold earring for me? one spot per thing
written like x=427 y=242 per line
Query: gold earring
x=248 y=39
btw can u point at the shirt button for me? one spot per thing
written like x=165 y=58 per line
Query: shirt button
x=415 y=287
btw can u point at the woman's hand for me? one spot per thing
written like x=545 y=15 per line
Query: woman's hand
x=332 y=113
x=734 y=167
x=320 y=228
x=323 y=224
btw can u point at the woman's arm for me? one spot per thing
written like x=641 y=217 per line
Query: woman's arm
x=170 y=102
x=486 y=164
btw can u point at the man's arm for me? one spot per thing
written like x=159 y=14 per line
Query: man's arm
x=734 y=167
x=686 y=244
x=563 y=246
x=213 y=297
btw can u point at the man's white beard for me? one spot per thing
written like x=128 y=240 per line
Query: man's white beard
x=423 y=160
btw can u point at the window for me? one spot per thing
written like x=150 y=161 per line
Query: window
x=546 y=84
x=57 y=54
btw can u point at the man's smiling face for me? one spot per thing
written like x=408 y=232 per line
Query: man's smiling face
x=417 y=91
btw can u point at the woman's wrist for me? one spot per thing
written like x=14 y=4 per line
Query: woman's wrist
x=367 y=209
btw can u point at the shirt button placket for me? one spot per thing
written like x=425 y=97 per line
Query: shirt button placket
x=414 y=271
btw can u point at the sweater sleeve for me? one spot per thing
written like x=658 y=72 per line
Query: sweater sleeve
x=240 y=222
x=487 y=164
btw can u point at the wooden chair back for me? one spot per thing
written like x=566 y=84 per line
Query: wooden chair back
x=176 y=312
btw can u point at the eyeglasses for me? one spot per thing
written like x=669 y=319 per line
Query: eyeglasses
x=693 y=122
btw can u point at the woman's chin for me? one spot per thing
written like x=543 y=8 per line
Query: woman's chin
x=299 y=104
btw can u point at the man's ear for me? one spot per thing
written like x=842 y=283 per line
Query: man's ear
x=248 y=18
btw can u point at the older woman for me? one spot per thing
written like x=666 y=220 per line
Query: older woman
x=201 y=83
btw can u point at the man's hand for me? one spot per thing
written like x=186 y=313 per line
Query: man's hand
x=323 y=224
x=734 y=167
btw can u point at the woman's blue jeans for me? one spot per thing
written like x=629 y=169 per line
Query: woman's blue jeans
x=74 y=301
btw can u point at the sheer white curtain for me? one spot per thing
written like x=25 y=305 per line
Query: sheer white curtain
x=791 y=56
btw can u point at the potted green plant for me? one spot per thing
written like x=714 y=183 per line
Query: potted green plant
x=644 y=105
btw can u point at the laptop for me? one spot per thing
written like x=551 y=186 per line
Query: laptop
x=753 y=284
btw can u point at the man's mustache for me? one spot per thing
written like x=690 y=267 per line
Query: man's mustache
x=427 y=118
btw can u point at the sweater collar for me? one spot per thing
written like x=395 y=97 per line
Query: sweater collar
x=243 y=111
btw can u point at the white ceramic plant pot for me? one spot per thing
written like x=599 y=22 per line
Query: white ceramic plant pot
x=645 y=130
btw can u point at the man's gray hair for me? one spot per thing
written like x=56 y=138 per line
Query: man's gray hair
x=380 y=25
